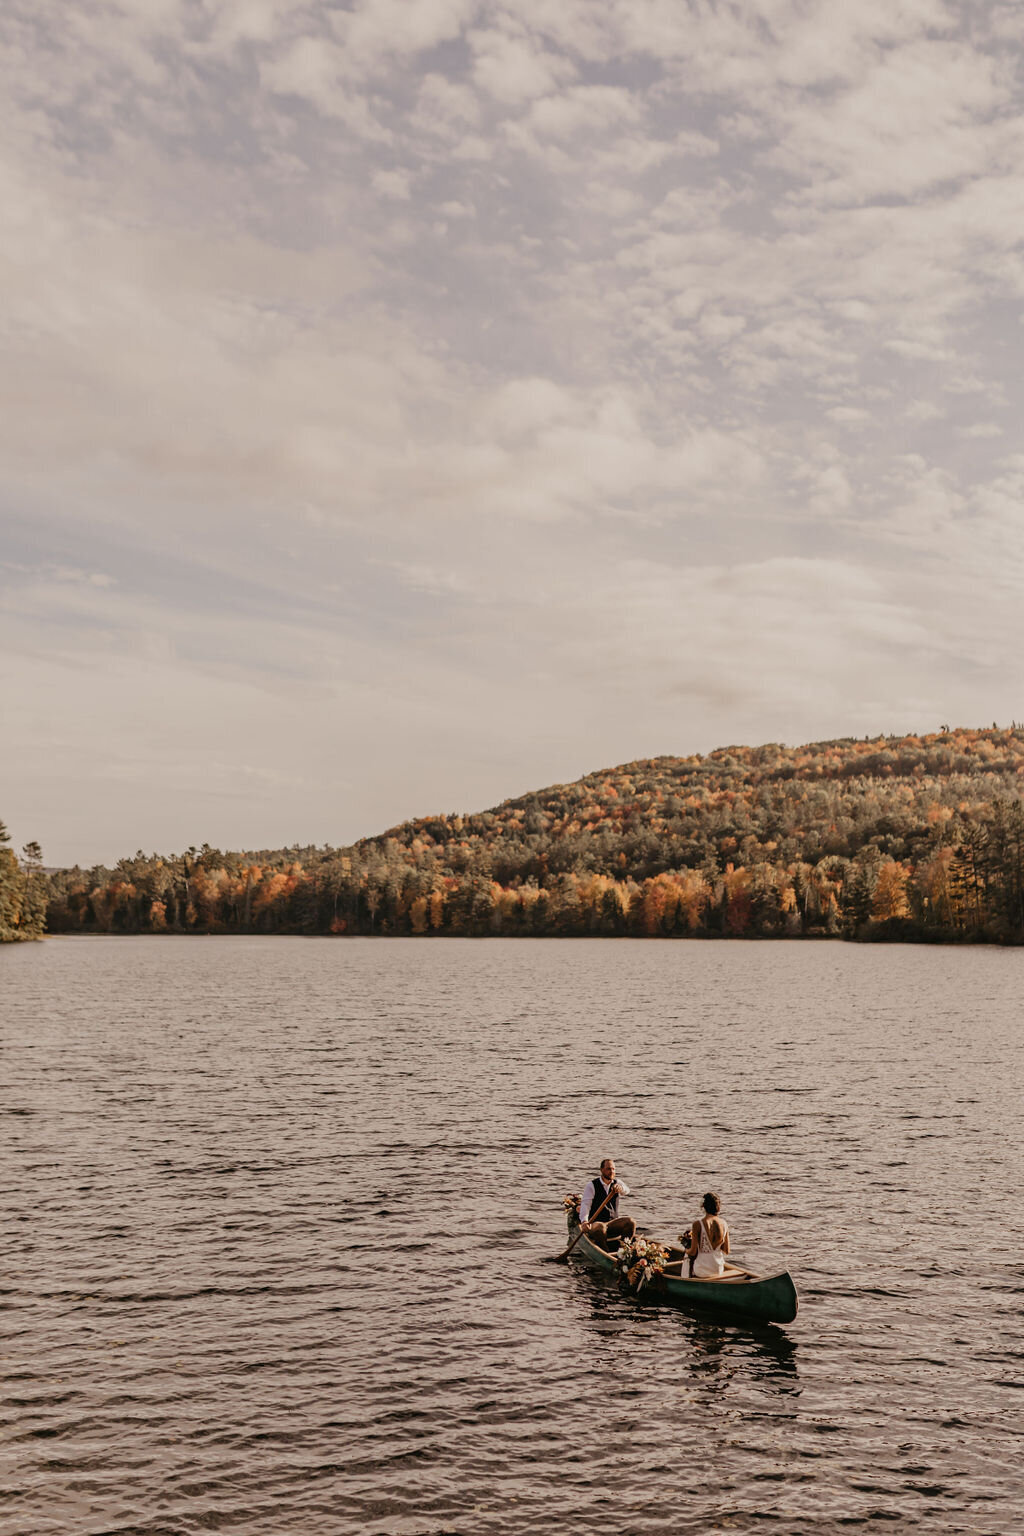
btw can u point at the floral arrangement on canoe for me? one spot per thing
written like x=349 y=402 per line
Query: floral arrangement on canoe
x=571 y=1206
x=639 y=1259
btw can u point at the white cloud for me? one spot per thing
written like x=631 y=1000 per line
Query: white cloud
x=318 y=71
x=515 y=68
x=583 y=109
x=849 y=415
x=444 y=106
x=924 y=410
x=378 y=31
x=980 y=430
x=395 y=184
x=920 y=115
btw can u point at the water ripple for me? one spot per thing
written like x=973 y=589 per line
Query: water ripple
x=275 y=1214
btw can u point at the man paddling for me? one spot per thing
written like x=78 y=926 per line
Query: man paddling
x=604 y=1190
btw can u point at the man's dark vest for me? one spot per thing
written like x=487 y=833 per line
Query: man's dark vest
x=610 y=1211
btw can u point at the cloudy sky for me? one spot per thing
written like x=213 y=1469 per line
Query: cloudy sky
x=409 y=403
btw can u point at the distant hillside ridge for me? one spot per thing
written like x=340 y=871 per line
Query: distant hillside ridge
x=897 y=838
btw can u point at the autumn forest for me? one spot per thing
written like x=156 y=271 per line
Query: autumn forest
x=888 y=838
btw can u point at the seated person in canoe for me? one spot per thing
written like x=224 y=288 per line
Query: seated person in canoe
x=705 y=1247
x=599 y=1208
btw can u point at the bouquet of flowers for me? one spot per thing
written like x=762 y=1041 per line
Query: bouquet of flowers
x=639 y=1259
x=571 y=1206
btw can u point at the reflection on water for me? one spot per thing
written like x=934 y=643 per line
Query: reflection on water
x=715 y=1349
x=707 y=1351
x=275 y=1214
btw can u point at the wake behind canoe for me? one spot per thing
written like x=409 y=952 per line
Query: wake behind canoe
x=765 y=1298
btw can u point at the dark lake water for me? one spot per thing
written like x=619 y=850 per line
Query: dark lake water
x=274 y=1215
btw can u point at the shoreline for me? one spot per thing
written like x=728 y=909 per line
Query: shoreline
x=927 y=941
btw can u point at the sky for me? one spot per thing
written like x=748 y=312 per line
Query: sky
x=411 y=403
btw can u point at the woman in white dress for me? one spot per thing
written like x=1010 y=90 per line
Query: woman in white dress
x=709 y=1242
x=702 y=1256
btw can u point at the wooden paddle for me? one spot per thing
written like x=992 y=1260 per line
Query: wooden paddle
x=563 y=1258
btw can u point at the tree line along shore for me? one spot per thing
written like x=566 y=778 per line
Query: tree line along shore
x=911 y=838
x=24 y=891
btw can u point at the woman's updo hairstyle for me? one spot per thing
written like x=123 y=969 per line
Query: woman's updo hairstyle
x=712 y=1204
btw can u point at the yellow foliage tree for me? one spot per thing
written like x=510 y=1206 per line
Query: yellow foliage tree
x=890 y=896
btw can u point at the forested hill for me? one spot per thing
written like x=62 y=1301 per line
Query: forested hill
x=893 y=837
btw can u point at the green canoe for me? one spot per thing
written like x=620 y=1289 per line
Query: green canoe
x=760 y=1298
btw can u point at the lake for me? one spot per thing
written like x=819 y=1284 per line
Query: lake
x=275 y=1213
